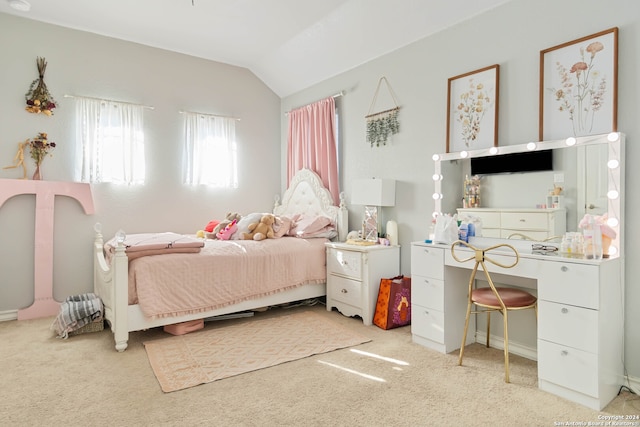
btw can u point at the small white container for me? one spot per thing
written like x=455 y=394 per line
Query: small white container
x=392 y=233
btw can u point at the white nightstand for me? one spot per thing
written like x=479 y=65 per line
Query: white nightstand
x=353 y=277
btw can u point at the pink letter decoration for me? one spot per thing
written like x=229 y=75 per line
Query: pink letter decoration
x=45 y=192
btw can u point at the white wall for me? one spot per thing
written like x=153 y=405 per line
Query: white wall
x=81 y=63
x=511 y=35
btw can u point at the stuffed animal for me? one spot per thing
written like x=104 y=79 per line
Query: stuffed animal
x=211 y=225
x=227 y=232
x=261 y=230
x=225 y=222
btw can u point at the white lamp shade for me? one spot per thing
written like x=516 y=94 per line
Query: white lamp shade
x=374 y=192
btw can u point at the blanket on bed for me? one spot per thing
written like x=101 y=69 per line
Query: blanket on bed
x=75 y=312
x=144 y=244
x=225 y=272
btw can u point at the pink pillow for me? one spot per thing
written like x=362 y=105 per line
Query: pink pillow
x=282 y=226
x=308 y=227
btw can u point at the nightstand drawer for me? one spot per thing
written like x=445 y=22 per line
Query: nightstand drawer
x=427 y=292
x=575 y=327
x=568 y=367
x=345 y=290
x=344 y=263
x=427 y=323
x=427 y=261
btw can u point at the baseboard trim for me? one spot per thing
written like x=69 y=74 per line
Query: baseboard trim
x=514 y=347
x=5 y=316
x=633 y=383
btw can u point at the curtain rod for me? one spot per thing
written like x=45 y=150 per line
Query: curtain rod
x=336 y=95
x=209 y=115
x=110 y=100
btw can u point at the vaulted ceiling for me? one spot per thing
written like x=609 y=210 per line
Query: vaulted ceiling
x=288 y=44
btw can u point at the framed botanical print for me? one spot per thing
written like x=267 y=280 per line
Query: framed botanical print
x=472 y=110
x=579 y=87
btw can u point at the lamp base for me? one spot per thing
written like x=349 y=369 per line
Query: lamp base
x=370 y=224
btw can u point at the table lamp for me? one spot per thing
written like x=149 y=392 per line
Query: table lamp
x=373 y=194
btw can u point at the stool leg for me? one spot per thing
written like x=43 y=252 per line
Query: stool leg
x=506 y=347
x=488 y=327
x=464 y=335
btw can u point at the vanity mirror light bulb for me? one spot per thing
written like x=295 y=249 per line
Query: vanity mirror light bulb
x=531 y=146
x=612 y=222
x=613 y=194
x=437 y=177
x=613 y=136
x=437 y=196
x=493 y=150
x=464 y=154
x=435 y=157
x=613 y=164
x=612 y=250
x=571 y=141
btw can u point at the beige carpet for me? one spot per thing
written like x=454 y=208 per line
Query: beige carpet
x=212 y=354
x=46 y=381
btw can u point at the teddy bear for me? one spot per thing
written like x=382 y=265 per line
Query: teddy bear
x=261 y=230
x=231 y=216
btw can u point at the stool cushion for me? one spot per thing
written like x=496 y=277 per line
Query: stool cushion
x=510 y=296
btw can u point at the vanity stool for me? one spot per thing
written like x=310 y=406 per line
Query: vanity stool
x=492 y=298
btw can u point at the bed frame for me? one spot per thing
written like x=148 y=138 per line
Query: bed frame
x=305 y=195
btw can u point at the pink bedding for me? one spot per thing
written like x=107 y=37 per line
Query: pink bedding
x=223 y=273
x=144 y=244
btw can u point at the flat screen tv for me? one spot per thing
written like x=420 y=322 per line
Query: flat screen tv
x=530 y=161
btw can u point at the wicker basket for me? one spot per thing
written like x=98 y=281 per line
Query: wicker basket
x=95 y=326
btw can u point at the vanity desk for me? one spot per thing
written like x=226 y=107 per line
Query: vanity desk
x=580 y=313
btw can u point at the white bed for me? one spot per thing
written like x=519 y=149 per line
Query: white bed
x=306 y=195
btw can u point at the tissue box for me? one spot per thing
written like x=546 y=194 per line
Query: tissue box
x=184 y=327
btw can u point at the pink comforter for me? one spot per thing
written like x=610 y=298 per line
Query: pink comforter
x=223 y=273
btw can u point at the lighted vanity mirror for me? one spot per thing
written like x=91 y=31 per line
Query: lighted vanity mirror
x=589 y=169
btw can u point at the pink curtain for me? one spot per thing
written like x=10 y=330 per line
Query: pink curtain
x=311 y=143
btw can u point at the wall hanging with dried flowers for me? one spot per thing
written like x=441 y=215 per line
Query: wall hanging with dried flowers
x=383 y=124
x=39 y=148
x=39 y=100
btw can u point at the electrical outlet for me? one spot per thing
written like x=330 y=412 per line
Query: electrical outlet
x=558 y=178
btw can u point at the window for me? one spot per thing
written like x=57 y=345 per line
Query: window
x=111 y=137
x=210 y=151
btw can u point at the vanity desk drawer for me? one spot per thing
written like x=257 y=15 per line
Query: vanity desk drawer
x=429 y=292
x=568 y=367
x=428 y=323
x=572 y=326
x=569 y=283
x=427 y=261
x=525 y=220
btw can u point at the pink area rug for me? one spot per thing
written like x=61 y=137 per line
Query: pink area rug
x=221 y=351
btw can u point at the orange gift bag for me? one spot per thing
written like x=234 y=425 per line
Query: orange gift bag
x=393 y=308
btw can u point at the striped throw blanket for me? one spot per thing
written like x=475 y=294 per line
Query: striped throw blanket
x=77 y=311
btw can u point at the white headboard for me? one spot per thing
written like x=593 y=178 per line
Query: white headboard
x=307 y=195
